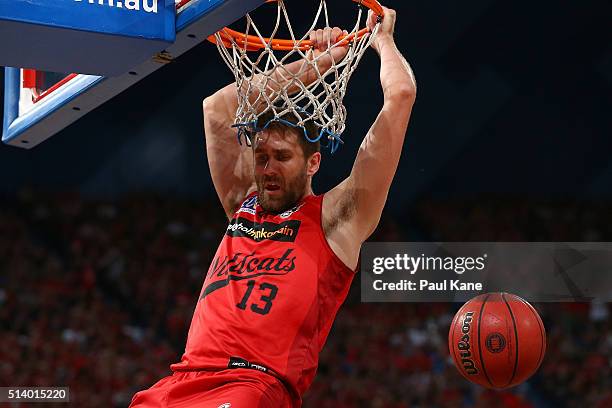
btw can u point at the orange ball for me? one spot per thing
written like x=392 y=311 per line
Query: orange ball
x=497 y=340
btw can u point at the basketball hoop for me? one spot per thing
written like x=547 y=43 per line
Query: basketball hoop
x=264 y=84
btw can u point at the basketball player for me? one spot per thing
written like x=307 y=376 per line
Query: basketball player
x=287 y=259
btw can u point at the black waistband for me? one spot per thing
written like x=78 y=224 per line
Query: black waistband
x=237 y=362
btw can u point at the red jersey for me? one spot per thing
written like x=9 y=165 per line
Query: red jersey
x=270 y=295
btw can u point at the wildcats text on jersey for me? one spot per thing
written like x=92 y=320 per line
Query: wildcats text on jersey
x=284 y=232
x=246 y=266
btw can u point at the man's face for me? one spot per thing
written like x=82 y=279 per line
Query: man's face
x=281 y=170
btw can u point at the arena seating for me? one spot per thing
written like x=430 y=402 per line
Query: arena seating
x=98 y=296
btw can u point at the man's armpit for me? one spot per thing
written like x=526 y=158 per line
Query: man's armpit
x=344 y=210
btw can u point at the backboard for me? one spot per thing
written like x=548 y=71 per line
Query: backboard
x=38 y=104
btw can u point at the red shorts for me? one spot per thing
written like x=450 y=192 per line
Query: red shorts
x=232 y=388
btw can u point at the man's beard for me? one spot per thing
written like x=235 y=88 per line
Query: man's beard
x=291 y=194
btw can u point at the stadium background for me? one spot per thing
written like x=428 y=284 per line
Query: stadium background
x=107 y=228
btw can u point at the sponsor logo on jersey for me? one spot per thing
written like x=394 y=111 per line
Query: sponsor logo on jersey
x=284 y=232
x=249 y=206
x=225 y=405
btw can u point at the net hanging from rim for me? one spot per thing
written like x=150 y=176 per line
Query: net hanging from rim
x=264 y=84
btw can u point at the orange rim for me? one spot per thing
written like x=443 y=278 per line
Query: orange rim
x=254 y=43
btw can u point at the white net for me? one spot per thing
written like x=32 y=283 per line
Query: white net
x=313 y=93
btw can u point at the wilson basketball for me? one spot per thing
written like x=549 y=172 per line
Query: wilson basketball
x=497 y=340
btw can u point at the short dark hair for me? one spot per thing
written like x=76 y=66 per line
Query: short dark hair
x=312 y=130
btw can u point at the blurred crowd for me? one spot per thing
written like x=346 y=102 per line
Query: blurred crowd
x=98 y=296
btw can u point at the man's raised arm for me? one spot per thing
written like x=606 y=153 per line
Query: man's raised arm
x=352 y=210
x=231 y=165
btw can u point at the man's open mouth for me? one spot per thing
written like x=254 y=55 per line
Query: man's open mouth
x=272 y=187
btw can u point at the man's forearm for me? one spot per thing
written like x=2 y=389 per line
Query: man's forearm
x=301 y=73
x=222 y=105
x=396 y=76
x=285 y=76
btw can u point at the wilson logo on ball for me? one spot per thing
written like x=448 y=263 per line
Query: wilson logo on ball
x=495 y=343
x=464 y=345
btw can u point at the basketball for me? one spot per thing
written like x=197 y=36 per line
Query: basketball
x=497 y=340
